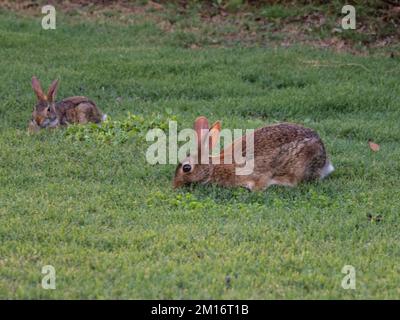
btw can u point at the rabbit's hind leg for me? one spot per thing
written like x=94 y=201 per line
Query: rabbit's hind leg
x=287 y=181
x=84 y=112
x=257 y=183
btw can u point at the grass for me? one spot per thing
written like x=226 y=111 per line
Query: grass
x=111 y=224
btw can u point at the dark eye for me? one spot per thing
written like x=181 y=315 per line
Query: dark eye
x=48 y=109
x=186 y=168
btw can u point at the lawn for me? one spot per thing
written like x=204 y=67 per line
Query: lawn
x=112 y=225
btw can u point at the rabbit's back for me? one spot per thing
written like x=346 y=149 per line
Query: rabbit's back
x=78 y=109
x=276 y=136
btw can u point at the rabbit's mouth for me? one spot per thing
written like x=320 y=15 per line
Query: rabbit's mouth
x=50 y=123
x=178 y=184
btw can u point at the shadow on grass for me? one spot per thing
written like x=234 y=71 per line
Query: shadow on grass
x=309 y=191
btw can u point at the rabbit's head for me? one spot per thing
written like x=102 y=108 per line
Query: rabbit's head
x=44 y=114
x=197 y=167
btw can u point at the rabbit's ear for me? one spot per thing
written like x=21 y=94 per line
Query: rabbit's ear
x=51 y=94
x=214 y=134
x=201 y=128
x=38 y=89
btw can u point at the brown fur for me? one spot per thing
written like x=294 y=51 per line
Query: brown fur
x=284 y=154
x=51 y=114
x=78 y=110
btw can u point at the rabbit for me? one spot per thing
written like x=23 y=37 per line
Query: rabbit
x=284 y=154
x=51 y=114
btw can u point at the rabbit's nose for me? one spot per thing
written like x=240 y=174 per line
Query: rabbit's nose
x=39 y=120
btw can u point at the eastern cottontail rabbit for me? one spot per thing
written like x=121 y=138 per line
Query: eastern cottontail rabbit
x=50 y=114
x=284 y=154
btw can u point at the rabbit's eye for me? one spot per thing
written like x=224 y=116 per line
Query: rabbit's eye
x=48 y=109
x=186 y=168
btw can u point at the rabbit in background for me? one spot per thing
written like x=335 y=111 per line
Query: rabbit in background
x=51 y=114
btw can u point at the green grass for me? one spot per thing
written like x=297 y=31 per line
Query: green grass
x=112 y=225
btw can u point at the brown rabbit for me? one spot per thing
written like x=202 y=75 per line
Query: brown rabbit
x=50 y=114
x=284 y=154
